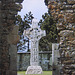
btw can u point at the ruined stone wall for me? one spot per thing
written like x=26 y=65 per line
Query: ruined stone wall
x=23 y=61
x=8 y=36
x=63 y=12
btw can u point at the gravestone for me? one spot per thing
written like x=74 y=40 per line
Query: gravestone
x=34 y=34
x=55 y=56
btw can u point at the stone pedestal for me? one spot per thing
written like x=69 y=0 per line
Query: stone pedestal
x=34 y=70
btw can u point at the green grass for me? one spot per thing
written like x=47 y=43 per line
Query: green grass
x=44 y=73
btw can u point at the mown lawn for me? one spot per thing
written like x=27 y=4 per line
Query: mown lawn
x=44 y=73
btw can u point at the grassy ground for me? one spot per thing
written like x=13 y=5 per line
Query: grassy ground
x=44 y=73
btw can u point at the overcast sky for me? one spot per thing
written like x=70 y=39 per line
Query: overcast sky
x=37 y=7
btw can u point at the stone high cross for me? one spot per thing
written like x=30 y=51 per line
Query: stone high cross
x=34 y=34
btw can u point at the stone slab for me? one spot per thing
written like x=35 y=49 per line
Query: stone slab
x=34 y=70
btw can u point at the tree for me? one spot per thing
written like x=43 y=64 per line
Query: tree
x=47 y=23
x=23 y=25
x=46 y=2
x=25 y=22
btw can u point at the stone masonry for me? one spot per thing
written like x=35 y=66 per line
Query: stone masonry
x=23 y=61
x=8 y=36
x=63 y=12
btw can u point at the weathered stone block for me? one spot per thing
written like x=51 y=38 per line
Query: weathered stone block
x=13 y=57
x=34 y=70
x=71 y=1
x=13 y=37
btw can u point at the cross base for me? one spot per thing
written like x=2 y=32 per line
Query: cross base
x=34 y=70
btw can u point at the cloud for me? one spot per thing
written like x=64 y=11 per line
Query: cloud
x=37 y=7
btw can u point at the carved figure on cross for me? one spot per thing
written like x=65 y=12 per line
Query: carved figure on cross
x=34 y=34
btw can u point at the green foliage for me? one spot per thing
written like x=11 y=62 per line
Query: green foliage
x=25 y=22
x=23 y=25
x=47 y=23
x=46 y=2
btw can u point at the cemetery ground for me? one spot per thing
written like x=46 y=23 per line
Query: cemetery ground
x=44 y=73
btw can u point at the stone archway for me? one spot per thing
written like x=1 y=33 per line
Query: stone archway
x=8 y=10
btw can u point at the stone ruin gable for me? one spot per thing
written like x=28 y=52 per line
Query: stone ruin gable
x=8 y=49
x=63 y=12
